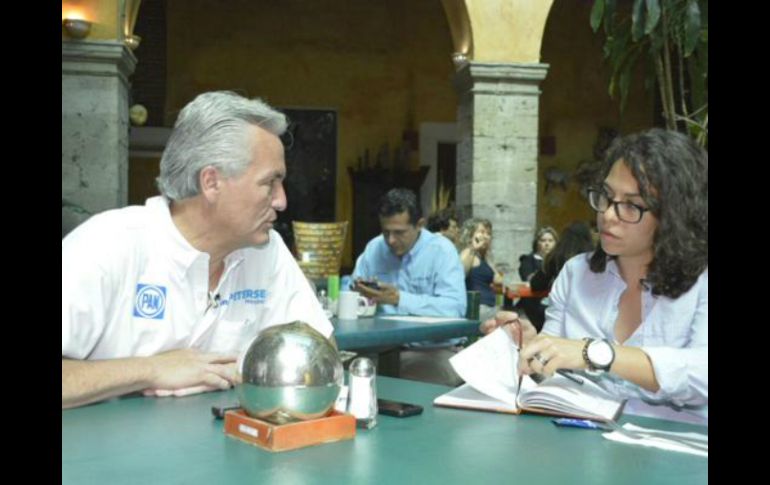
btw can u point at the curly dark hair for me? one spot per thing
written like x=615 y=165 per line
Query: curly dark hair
x=672 y=173
x=400 y=200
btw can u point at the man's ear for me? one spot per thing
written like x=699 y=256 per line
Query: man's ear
x=420 y=223
x=210 y=181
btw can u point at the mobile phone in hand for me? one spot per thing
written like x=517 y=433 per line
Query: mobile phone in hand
x=370 y=284
x=398 y=409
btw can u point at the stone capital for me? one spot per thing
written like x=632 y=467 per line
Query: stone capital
x=97 y=58
x=500 y=78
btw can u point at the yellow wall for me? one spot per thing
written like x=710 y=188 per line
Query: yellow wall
x=104 y=15
x=574 y=104
x=507 y=30
x=384 y=65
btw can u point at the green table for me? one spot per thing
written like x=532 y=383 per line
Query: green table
x=376 y=332
x=176 y=440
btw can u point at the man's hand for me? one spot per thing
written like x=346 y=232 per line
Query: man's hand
x=188 y=371
x=178 y=372
x=387 y=294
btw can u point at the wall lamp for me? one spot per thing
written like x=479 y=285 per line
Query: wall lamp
x=76 y=28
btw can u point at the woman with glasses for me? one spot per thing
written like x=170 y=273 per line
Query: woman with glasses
x=634 y=313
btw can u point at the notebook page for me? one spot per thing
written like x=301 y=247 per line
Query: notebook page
x=489 y=365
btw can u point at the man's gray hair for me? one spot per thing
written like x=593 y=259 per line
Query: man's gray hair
x=212 y=130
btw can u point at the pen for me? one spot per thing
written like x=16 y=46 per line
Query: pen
x=579 y=423
x=570 y=375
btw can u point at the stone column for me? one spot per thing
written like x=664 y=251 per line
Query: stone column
x=94 y=159
x=497 y=151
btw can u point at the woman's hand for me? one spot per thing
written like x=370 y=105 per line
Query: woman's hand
x=511 y=322
x=479 y=242
x=545 y=354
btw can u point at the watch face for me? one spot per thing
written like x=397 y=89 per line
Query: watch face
x=600 y=353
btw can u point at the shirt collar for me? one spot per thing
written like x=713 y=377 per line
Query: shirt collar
x=612 y=268
x=183 y=255
x=179 y=249
x=422 y=240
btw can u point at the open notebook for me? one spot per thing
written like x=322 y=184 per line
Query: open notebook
x=490 y=367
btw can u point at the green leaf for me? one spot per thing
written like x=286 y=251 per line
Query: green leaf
x=653 y=15
x=609 y=17
x=637 y=20
x=597 y=14
x=691 y=27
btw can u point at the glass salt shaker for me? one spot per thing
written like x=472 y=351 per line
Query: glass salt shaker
x=362 y=400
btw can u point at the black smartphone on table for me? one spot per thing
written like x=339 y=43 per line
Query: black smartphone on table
x=220 y=410
x=398 y=409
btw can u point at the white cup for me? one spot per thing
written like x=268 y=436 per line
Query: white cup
x=350 y=305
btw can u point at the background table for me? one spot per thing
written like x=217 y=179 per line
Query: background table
x=377 y=332
x=176 y=440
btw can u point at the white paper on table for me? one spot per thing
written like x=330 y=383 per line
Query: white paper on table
x=661 y=442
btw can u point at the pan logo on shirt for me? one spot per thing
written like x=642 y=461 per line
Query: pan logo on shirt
x=150 y=301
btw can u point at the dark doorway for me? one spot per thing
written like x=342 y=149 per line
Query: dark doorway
x=311 y=169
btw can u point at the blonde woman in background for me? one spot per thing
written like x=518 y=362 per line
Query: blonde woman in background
x=480 y=272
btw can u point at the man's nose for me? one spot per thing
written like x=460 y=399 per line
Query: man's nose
x=279 y=201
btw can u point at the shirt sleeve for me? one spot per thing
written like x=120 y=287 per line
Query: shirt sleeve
x=86 y=295
x=682 y=373
x=448 y=298
x=362 y=266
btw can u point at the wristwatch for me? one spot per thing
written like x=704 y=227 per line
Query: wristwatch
x=598 y=354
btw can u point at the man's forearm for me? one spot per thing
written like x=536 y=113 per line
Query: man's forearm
x=84 y=382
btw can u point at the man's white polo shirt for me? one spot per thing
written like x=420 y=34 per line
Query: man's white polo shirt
x=132 y=286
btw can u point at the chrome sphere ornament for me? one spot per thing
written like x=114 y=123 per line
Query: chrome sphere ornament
x=290 y=373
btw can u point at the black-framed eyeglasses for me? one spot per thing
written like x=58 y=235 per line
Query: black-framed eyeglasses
x=626 y=211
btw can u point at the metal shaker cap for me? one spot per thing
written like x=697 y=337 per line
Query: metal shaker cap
x=362 y=367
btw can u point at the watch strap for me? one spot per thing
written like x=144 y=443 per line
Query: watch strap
x=587 y=341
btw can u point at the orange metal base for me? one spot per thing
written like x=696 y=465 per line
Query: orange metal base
x=281 y=437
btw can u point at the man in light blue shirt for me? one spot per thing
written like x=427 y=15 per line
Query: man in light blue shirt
x=416 y=273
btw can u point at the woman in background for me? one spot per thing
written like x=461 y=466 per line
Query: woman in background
x=544 y=242
x=575 y=239
x=480 y=272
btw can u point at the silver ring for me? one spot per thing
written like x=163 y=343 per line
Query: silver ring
x=540 y=359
